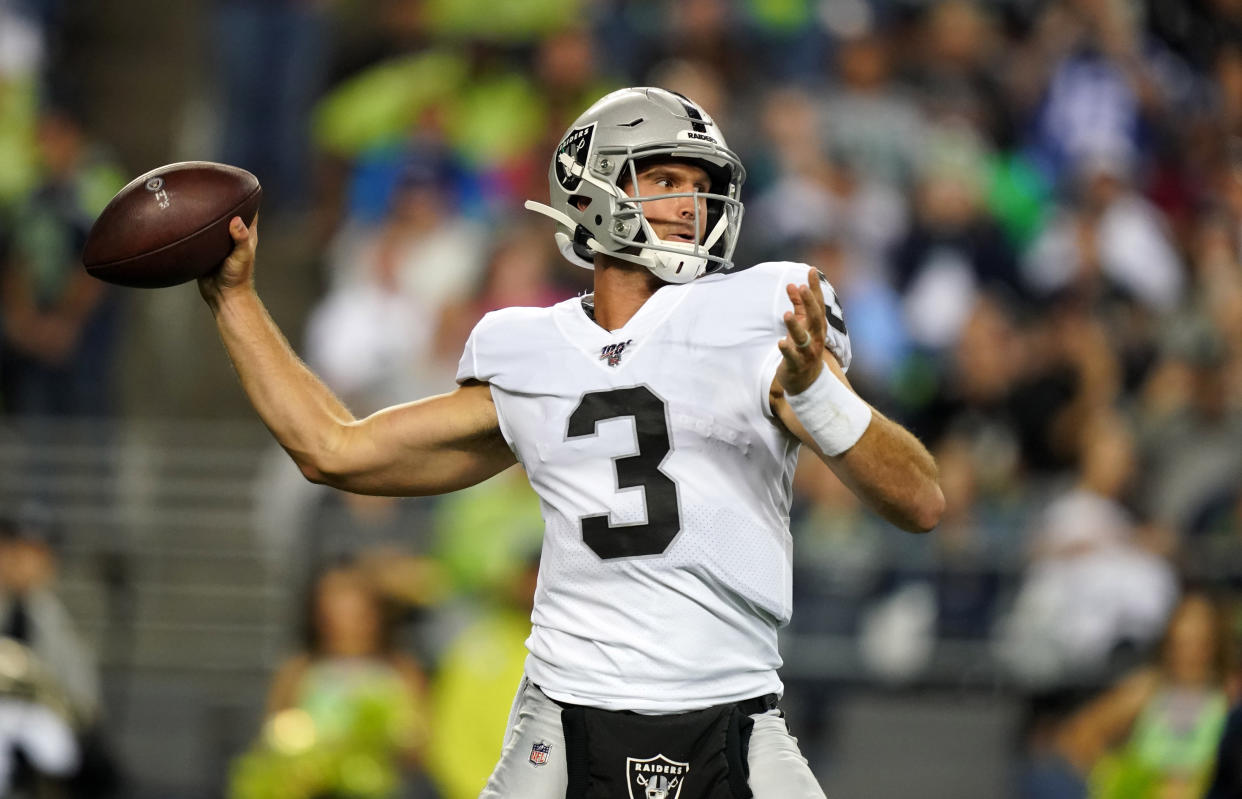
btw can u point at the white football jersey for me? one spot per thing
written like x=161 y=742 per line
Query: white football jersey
x=665 y=484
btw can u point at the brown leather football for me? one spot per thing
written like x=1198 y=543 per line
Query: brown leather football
x=170 y=225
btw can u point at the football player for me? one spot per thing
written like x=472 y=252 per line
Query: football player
x=659 y=419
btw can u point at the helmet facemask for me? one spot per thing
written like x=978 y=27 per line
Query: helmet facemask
x=717 y=218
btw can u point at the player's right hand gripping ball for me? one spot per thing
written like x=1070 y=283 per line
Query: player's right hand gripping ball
x=170 y=225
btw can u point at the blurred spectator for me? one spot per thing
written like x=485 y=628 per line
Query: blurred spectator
x=954 y=250
x=1227 y=775
x=1019 y=390
x=1110 y=240
x=789 y=40
x=272 y=56
x=60 y=325
x=1196 y=30
x=566 y=67
x=488 y=539
x=23 y=49
x=961 y=73
x=840 y=553
x=966 y=570
x=943 y=590
x=955 y=72
x=976 y=398
x=346 y=716
x=568 y=77
x=32 y=614
x=1191 y=428
x=519 y=271
x=494 y=122
x=482 y=533
x=704 y=32
x=1096 y=585
x=46 y=654
x=475 y=681
x=875 y=126
x=810 y=194
x=343 y=527
x=840 y=561
x=382 y=106
x=1217 y=281
x=37 y=747
x=372 y=335
x=1072 y=376
x=1154 y=734
x=1101 y=91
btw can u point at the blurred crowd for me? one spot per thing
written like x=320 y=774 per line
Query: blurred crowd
x=1031 y=210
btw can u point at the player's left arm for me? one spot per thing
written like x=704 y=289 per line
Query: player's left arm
x=881 y=461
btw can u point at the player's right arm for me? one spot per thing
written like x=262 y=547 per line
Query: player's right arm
x=431 y=446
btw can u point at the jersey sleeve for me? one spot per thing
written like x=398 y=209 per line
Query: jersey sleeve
x=478 y=363
x=468 y=366
x=838 y=337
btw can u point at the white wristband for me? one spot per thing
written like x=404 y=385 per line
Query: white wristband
x=834 y=416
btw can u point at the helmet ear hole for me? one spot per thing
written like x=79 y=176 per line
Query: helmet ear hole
x=581 y=202
x=581 y=249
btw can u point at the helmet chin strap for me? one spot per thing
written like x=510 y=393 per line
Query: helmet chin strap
x=676 y=261
x=551 y=212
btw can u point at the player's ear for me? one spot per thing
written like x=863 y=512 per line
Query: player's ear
x=580 y=202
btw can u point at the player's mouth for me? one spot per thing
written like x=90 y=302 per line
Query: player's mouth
x=686 y=236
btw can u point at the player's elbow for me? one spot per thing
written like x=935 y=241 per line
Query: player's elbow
x=313 y=472
x=927 y=509
x=319 y=468
x=330 y=458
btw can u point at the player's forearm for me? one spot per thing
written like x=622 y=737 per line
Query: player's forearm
x=895 y=474
x=302 y=413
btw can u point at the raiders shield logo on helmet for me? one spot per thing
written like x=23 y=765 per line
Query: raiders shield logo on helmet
x=655 y=777
x=571 y=156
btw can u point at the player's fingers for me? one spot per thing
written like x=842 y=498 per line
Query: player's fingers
x=819 y=314
x=245 y=235
x=791 y=354
x=795 y=297
x=817 y=287
x=799 y=337
x=816 y=318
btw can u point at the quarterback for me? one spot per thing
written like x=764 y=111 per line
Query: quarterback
x=659 y=420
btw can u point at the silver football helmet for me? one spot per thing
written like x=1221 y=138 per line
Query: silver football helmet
x=601 y=149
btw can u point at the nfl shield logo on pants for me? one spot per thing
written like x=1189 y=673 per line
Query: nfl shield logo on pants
x=539 y=753
x=655 y=777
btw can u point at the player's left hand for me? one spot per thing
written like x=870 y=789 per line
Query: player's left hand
x=802 y=348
